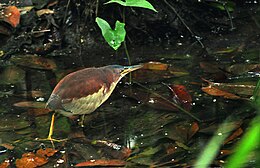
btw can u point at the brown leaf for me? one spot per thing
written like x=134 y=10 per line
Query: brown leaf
x=211 y=67
x=146 y=75
x=233 y=88
x=238 y=69
x=193 y=130
x=5 y=164
x=33 y=61
x=234 y=135
x=217 y=92
x=7 y=146
x=46 y=152
x=180 y=95
x=12 y=75
x=113 y=162
x=38 y=111
x=30 y=160
x=11 y=15
x=225 y=152
x=155 y=66
x=31 y=104
x=211 y=128
x=44 y=11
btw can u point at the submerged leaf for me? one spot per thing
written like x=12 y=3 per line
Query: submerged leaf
x=32 y=104
x=239 y=69
x=234 y=135
x=231 y=88
x=10 y=123
x=100 y=162
x=33 y=61
x=217 y=92
x=34 y=160
x=12 y=75
x=180 y=95
x=155 y=66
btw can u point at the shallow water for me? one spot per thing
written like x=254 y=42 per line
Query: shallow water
x=133 y=116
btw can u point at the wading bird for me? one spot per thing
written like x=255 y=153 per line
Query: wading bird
x=83 y=91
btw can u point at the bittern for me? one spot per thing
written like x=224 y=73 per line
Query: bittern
x=83 y=91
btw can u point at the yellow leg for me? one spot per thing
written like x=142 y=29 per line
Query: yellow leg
x=51 y=132
x=81 y=122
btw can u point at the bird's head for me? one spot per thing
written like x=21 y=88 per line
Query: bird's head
x=121 y=71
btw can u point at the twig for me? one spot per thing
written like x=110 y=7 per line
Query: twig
x=176 y=105
x=187 y=27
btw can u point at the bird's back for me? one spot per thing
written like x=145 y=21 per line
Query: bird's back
x=81 y=92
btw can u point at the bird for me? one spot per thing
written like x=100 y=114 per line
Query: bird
x=83 y=91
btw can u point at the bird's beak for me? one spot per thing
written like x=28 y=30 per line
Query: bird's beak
x=128 y=69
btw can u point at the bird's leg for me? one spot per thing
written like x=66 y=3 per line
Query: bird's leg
x=81 y=120
x=51 y=132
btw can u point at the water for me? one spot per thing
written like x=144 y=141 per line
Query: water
x=133 y=118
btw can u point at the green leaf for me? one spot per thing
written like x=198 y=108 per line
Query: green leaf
x=134 y=3
x=113 y=37
x=228 y=5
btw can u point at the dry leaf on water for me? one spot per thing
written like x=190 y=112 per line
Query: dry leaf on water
x=31 y=104
x=113 y=162
x=155 y=66
x=33 y=61
x=31 y=160
x=11 y=15
x=217 y=92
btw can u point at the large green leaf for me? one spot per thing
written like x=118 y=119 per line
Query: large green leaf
x=113 y=37
x=134 y=3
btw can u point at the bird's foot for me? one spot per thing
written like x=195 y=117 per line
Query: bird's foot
x=49 y=138
x=52 y=140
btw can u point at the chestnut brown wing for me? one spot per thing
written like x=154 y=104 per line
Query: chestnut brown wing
x=73 y=92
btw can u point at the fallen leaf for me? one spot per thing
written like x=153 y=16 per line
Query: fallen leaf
x=146 y=75
x=25 y=9
x=12 y=75
x=234 y=135
x=234 y=88
x=38 y=111
x=5 y=164
x=182 y=132
x=30 y=160
x=33 y=61
x=225 y=152
x=7 y=146
x=210 y=129
x=5 y=31
x=180 y=95
x=239 y=69
x=217 y=92
x=154 y=71
x=211 y=67
x=193 y=130
x=44 y=11
x=46 y=152
x=11 y=15
x=113 y=162
x=155 y=66
x=31 y=104
x=11 y=123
